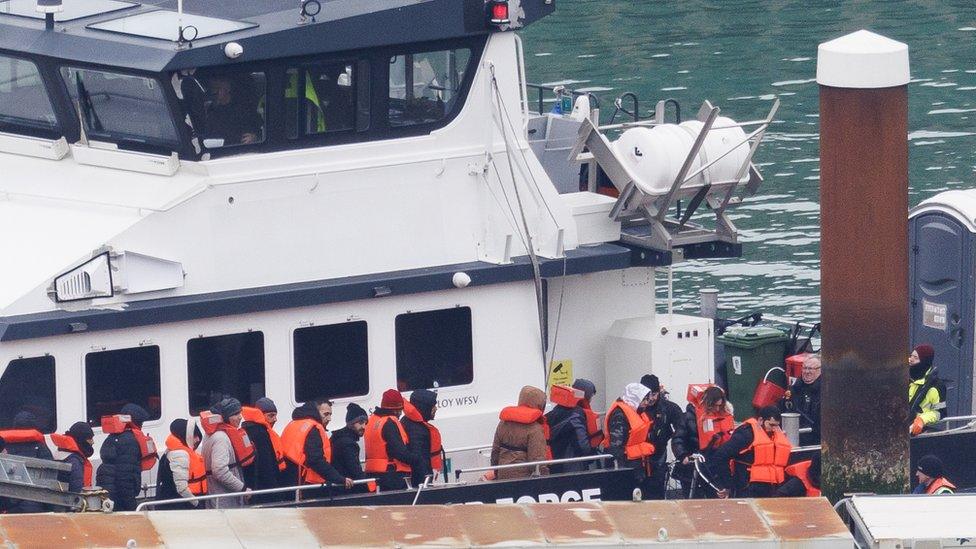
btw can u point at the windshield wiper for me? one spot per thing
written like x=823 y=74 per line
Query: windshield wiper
x=86 y=106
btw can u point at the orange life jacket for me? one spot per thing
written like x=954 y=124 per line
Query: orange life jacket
x=770 y=454
x=714 y=429
x=67 y=443
x=293 y=446
x=255 y=415
x=637 y=446
x=209 y=422
x=243 y=449
x=22 y=435
x=592 y=425
x=801 y=470
x=938 y=483
x=197 y=482
x=436 y=449
x=378 y=460
x=118 y=423
x=528 y=415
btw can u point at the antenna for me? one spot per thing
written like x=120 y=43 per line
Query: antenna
x=49 y=8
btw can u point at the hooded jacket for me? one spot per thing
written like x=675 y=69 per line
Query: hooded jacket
x=520 y=442
x=173 y=475
x=345 y=453
x=418 y=433
x=263 y=472
x=314 y=450
x=121 y=471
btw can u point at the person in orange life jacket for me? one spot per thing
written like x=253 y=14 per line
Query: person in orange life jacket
x=181 y=473
x=25 y=439
x=387 y=453
x=423 y=438
x=760 y=452
x=521 y=436
x=121 y=470
x=225 y=452
x=929 y=473
x=594 y=427
x=707 y=423
x=345 y=444
x=802 y=479
x=307 y=448
x=568 y=437
x=77 y=443
x=804 y=399
x=269 y=459
x=665 y=418
x=628 y=429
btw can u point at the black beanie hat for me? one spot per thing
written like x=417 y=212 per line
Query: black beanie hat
x=930 y=465
x=354 y=413
x=81 y=431
x=651 y=382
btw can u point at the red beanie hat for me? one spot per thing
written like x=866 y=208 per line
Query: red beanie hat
x=392 y=400
x=925 y=353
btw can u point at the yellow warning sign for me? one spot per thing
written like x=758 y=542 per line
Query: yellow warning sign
x=560 y=373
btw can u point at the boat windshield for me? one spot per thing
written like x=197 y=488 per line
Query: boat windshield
x=23 y=99
x=227 y=108
x=122 y=108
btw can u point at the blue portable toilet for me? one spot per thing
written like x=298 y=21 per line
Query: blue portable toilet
x=942 y=248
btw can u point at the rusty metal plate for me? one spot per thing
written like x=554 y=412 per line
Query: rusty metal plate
x=93 y=530
x=290 y=529
x=403 y=526
x=574 y=523
x=721 y=519
x=197 y=528
x=794 y=519
x=488 y=525
x=641 y=523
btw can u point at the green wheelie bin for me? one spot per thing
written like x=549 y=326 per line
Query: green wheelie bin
x=749 y=354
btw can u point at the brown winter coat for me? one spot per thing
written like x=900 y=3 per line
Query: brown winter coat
x=521 y=441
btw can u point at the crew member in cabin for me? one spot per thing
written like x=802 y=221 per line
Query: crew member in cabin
x=126 y=453
x=423 y=438
x=594 y=427
x=568 y=436
x=803 y=397
x=269 y=457
x=225 y=453
x=229 y=113
x=308 y=451
x=759 y=451
x=929 y=473
x=665 y=418
x=707 y=424
x=182 y=473
x=802 y=479
x=77 y=445
x=924 y=396
x=345 y=443
x=628 y=430
x=25 y=439
x=387 y=455
x=521 y=436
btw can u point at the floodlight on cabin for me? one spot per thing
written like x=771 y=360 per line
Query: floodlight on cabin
x=49 y=8
x=498 y=13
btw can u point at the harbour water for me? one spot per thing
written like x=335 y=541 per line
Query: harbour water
x=741 y=55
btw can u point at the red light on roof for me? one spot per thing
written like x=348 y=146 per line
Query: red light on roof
x=499 y=12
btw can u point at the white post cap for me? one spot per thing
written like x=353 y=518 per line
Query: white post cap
x=862 y=59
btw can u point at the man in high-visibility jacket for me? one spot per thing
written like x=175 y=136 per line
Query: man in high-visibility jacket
x=387 y=456
x=760 y=452
x=929 y=473
x=923 y=395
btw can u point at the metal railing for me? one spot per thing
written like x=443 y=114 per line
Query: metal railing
x=542 y=89
x=536 y=464
x=296 y=489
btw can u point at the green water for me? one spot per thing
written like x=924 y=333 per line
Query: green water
x=742 y=54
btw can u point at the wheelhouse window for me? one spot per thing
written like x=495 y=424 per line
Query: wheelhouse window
x=323 y=97
x=128 y=110
x=331 y=361
x=24 y=102
x=228 y=365
x=118 y=377
x=433 y=349
x=226 y=108
x=28 y=385
x=424 y=86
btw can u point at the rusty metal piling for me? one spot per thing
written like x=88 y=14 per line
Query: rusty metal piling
x=863 y=80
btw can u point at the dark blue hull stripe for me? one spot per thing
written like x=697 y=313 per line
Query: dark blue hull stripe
x=603 y=257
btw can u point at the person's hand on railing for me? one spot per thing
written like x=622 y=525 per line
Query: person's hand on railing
x=247 y=495
x=348 y=483
x=489 y=475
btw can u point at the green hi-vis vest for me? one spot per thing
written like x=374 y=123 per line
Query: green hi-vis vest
x=311 y=96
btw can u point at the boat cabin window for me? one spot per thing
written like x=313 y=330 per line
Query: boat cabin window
x=27 y=385
x=433 y=349
x=425 y=85
x=130 y=111
x=118 y=377
x=227 y=108
x=228 y=365
x=322 y=98
x=331 y=361
x=24 y=103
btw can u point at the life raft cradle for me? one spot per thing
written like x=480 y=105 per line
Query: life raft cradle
x=32 y=479
x=644 y=218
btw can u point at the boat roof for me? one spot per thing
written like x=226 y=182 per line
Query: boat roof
x=141 y=34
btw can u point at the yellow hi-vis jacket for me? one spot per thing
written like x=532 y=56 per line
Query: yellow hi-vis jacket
x=930 y=404
x=311 y=96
